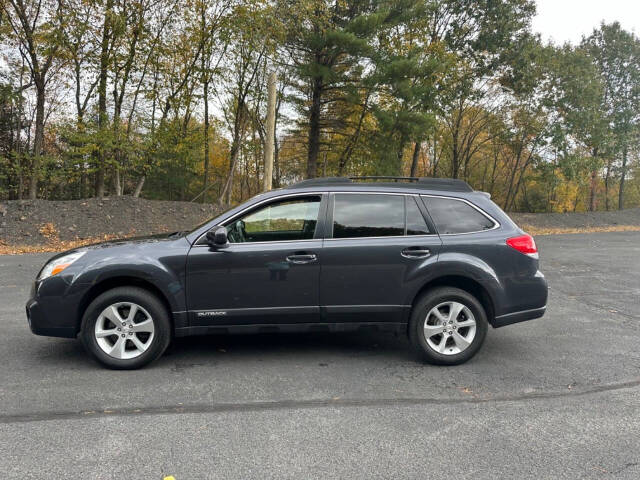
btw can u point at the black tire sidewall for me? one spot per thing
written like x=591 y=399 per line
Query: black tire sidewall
x=148 y=301
x=418 y=316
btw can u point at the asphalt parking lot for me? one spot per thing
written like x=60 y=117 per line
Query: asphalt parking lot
x=557 y=397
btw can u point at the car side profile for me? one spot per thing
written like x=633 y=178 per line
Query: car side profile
x=429 y=257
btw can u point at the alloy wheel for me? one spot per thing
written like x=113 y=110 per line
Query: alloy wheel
x=449 y=328
x=124 y=330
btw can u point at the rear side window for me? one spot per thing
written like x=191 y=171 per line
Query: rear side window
x=416 y=224
x=365 y=215
x=455 y=216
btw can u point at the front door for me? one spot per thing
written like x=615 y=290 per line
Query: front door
x=380 y=245
x=269 y=273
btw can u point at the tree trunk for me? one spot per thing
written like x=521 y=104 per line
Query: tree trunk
x=623 y=174
x=455 y=148
x=99 y=181
x=435 y=159
x=102 y=97
x=493 y=172
x=512 y=177
x=314 y=128
x=414 y=159
x=138 y=190
x=276 y=146
x=276 y=163
x=38 y=141
x=455 y=161
x=345 y=156
x=399 y=164
x=269 y=146
x=225 y=198
x=205 y=94
x=607 y=176
x=117 y=184
x=143 y=178
x=593 y=199
x=593 y=185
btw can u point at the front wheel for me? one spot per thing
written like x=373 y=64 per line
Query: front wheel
x=126 y=328
x=447 y=326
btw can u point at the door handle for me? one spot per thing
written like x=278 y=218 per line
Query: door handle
x=300 y=258
x=416 y=252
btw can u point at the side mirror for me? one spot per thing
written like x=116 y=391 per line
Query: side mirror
x=218 y=238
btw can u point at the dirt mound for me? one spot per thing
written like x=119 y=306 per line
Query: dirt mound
x=36 y=225
x=39 y=222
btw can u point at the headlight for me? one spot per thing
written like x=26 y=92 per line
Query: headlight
x=56 y=266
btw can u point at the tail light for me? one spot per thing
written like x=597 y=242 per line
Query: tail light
x=524 y=244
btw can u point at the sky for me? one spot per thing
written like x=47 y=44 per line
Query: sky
x=563 y=21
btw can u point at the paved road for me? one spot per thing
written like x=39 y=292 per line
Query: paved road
x=557 y=397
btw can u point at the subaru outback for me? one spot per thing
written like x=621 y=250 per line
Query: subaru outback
x=429 y=257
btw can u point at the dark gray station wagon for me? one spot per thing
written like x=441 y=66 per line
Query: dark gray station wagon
x=430 y=257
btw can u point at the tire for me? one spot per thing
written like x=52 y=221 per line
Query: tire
x=463 y=343
x=138 y=341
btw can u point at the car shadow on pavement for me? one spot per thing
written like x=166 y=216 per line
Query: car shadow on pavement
x=295 y=345
x=213 y=349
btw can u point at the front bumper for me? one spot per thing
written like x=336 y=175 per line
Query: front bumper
x=40 y=323
x=52 y=314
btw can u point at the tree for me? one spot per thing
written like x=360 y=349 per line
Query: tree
x=181 y=45
x=484 y=35
x=36 y=30
x=250 y=43
x=166 y=99
x=107 y=37
x=616 y=54
x=527 y=116
x=410 y=72
x=213 y=18
x=326 y=44
x=576 y=96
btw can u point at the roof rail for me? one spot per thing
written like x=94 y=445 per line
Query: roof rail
x=426 y=183
x=311 y=182
x=395 y=179
x=445 y=184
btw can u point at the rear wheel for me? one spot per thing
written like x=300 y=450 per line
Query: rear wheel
x=447 y=326
x=126 y=328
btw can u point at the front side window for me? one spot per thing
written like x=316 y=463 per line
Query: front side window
x=293 y=219
x=455 y=216
x=366 y=215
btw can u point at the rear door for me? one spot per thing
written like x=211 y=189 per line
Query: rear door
x=377 y=246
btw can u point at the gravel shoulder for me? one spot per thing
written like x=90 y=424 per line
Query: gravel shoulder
x=579 y=222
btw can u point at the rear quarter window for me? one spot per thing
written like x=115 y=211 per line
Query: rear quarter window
x=453 y=216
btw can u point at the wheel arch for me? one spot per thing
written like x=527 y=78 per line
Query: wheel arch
x=462 y=282
x=122 y=281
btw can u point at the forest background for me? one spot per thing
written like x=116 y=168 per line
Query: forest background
x=166 y=99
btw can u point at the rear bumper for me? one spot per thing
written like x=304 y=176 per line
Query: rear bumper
x=516 y=317
x=524 y=298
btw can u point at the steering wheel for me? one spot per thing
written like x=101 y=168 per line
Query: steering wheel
x=236 y=232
